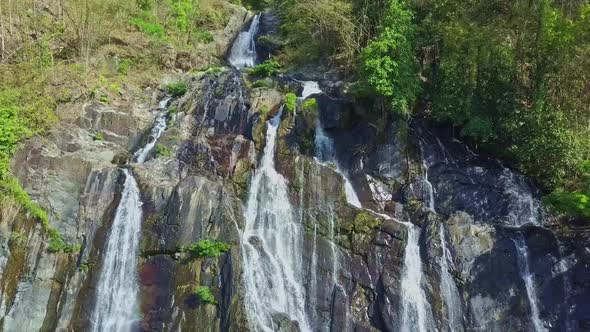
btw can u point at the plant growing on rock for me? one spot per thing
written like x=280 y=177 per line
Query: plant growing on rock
x=268 y=68
x=205 y=294
x=290 y=101
x=177 y=89
x=163 y=151
x=310 y=105
x=206 y=248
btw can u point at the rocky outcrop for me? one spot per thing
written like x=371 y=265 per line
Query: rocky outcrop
x=473 y=211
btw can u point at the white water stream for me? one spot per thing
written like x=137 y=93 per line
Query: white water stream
x=272 y=247
x=117 y=290
x=243 y=52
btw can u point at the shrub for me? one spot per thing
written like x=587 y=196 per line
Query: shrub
x=310 y=105
x=98 y=137
x=264 y=110
x=262 y=84
x=214 y=71
x=177 y=89
x=268 y=68
x=152 y=29
x=124 y=66
x=163 y=151
x=205 y=295
x=206 y=248
x=58 y=244
x=204 y=36
x=572 y=203
x=290 y=101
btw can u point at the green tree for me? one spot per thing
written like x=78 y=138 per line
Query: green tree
x=389 y=59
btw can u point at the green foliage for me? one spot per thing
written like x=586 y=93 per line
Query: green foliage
x=124 y=66
x=145 y=4
x=268 y=68
x=310 y=105
x=205 y=294
x=177 y=89
x=152 y=29
x=214 y=71
x=162 y=150
x=206 y=248
x=98 y=137
x=389 y=60
x=264 y=110
x=18 y=238
x=204 y=36
x=576 y=201
x=290 y=101
x=571 y=203
x=321 y=30
x=57 y=243
x=262 y=84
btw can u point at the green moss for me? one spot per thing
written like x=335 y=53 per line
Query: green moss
x=206 y=248
x=205 y=294
x=364 y=222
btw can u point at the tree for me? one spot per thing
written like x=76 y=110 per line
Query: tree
x=389 y=59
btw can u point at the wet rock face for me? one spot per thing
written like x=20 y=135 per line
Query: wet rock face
x=267 y=39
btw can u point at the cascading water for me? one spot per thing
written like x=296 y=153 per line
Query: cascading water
x=310 y=88
x=116 y=302
x=415 y=310
x=272 y=247
x=527 y=277
x=325 y=153
x=243 y=52
x=157 y=130
x=452 y=301
x=524 y=212
x=116 y=296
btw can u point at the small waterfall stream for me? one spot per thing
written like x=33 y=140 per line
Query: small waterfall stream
x=272 y=247
x=117 y=290
x=527 y=277
x=453 y=307
x=450 y=294
x=243 y=52
x=415 y=310
x=326 y=154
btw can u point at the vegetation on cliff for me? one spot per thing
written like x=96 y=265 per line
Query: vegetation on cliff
x=55 y=53
x=510 y=77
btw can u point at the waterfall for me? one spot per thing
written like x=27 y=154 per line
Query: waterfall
x=525 y=211
x=117 y=290
x=527 y=277
x=272 y=246
x=157 y=130
x=450 y=293
x=116 y=302
x=325 y=153
x=243 y=52
x=415 y=311
x=310 y=88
